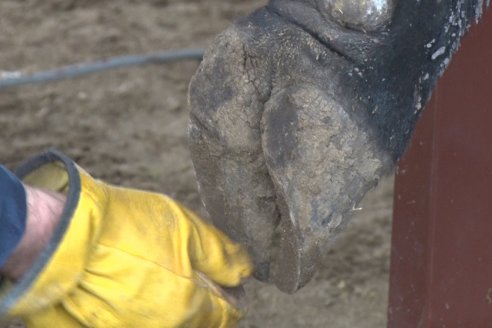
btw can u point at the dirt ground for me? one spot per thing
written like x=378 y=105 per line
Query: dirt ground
x=129 y=127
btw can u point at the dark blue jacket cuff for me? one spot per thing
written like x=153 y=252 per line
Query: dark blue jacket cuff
x=13 y=213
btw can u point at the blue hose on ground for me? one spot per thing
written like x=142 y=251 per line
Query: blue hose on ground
x=14 y=79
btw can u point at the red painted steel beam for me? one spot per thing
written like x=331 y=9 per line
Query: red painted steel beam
x=441 y=261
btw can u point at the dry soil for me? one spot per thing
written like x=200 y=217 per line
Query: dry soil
x=129 y=127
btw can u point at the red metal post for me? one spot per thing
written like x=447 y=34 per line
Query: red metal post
x=441 y=261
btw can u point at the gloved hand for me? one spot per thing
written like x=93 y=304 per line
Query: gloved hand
x=123 y=258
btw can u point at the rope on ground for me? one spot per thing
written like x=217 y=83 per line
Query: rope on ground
x=17 y=78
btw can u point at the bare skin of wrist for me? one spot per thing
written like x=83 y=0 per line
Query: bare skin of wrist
x=44 y=209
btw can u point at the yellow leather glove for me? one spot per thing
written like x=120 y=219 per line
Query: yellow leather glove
x=123 y=258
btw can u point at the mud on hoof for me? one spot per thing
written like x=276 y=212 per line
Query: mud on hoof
x=300 y=108
x=322 y=162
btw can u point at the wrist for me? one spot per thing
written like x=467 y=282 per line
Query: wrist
x=44 y=209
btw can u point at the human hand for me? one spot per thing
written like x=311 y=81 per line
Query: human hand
x=124 y=258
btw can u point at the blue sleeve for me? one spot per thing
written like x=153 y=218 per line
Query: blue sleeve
x=13 y=213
